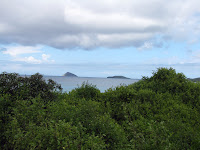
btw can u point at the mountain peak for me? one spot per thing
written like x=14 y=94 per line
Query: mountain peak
x=69 y=74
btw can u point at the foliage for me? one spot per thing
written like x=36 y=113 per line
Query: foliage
x=87 y=91
x=27 y=87
x=158 y=112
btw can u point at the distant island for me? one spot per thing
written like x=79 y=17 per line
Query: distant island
x=194 y=80
x=118 y=77
x=69 y=74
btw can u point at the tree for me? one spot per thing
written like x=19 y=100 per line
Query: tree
x=27 y=87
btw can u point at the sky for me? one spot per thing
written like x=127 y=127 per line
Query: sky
x=99 y=38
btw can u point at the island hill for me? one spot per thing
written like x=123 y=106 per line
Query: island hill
x=69 y=74
x=194 y=80
x=118 y=77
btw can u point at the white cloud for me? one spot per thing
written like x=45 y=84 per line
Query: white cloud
x=19 y=50
x=90 y=24
x=146 y=45
x=45 y=57
x=117 y=21
x=33 y=60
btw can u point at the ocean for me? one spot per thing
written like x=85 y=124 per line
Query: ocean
x=69 y=83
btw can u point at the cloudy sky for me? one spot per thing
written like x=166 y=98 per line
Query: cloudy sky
x=99 y=38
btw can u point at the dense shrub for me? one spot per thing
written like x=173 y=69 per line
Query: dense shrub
x=27 y=87
x=87 y=91
x=158 y=112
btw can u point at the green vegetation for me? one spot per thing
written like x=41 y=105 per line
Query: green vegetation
x=118 y=77
x=160 y=112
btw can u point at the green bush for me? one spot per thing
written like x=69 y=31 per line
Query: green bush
x=86 y=91
x=158 y=112
x=27 y=87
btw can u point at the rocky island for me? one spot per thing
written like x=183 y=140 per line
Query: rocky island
x=69 y=74
x=118 y=77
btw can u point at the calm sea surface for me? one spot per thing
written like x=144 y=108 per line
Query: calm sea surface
x=69 y=83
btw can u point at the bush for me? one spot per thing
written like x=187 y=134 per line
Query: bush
x=159 y=112
x=27 y=87
x=86 y=91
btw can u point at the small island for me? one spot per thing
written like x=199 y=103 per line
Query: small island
x=118 y=77
x=69 y=74
x=194 y=79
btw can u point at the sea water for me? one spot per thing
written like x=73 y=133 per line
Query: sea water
x=69 y=83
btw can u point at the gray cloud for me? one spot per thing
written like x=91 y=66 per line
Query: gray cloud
x=90 y=24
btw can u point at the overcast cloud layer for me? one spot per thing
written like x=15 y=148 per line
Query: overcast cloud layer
x=102 y=23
